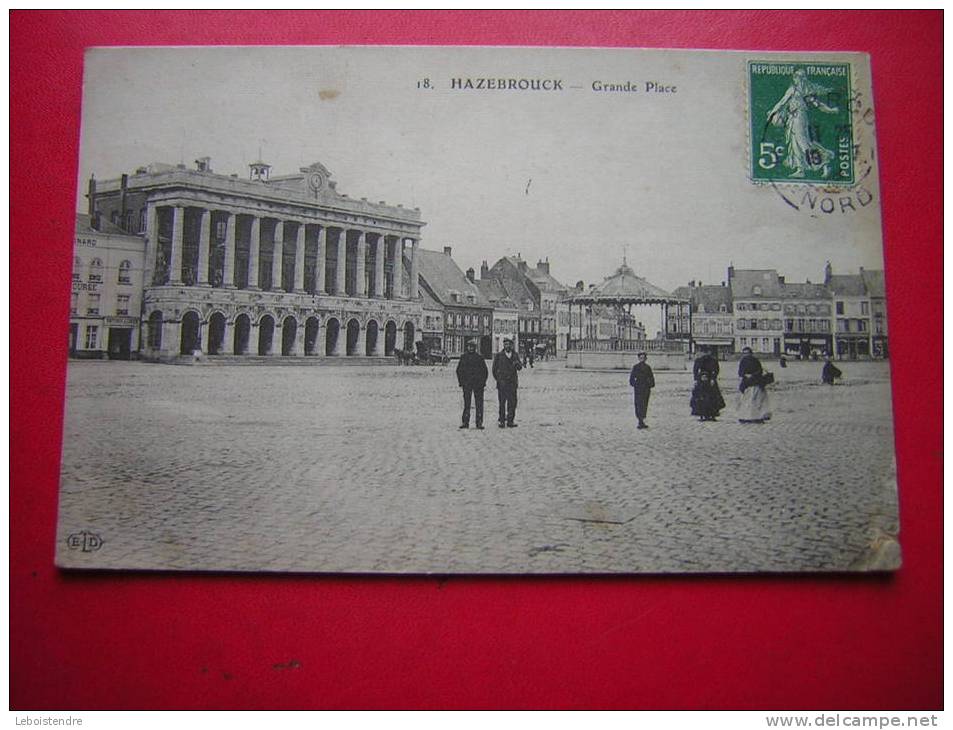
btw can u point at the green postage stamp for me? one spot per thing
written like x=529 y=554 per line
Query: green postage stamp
x=800 y=121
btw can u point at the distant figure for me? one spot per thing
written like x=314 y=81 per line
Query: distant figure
x=753 y=406
x=642 y=381
x=706 y=401
x=506 y=367
x=471 y=375
x=783 y=361
x=830 y=372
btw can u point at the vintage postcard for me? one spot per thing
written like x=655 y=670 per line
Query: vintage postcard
x=478 y=310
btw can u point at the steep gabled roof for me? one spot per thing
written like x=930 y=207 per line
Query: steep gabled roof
x=874 y=282
x=745 y=281
x=805 y=290
x=545 y=282
x=495 y=293
x=444 y=278
x=706 y=298
x=846 y=285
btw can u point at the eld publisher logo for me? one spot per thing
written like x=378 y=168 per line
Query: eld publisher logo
x=86 y=541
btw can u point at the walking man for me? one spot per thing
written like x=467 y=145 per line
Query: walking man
x=506 y=366
x=471 y=375
x=830 y=372
x=642 y=381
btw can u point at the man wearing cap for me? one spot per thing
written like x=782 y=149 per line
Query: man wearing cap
x=471 y=375
x=642 y=381
x=506 y=366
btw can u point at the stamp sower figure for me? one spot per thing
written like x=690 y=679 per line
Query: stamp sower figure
x=642 y=381
x=753 y=406
x=804 y=152
x=707 y=400
x=471 y=375
x=506 y=367
x=831 y=372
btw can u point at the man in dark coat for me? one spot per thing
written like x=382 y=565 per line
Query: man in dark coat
x=830 y=372
x=506 y=366
x=642 y=381
x=471 y=375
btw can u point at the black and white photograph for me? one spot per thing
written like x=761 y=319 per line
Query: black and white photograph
x=453 y=310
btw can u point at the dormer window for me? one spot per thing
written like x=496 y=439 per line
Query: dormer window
x=756 y=291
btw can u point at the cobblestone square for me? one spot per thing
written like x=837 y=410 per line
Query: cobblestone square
x=363 y=469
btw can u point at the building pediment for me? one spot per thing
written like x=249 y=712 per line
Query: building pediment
x=313 y=181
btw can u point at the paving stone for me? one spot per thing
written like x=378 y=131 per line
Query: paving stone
x=364 y=469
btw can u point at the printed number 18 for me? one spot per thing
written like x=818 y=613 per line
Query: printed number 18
x=769 y=155
x=423 y=84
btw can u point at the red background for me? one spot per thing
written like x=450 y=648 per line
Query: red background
x=198 y=641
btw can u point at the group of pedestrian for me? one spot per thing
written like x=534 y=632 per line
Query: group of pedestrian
x=706 y=400
x=472 y=376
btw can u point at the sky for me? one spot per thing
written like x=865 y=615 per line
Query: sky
x=576 y=176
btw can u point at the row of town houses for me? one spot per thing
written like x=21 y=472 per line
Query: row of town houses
x=171 y=262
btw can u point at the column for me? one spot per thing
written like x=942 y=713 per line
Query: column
x=228 y=338
x=398 y=268
x=339 y=280
x=414 y=270
x=361 y=349
x=297 y=349
x=205 y=233
x=379 y=268
x=228 y=268
x=152 y=244
x=299 y=259
x=319 y=283
x=254 y=249
x=379 y=345
x=175 y=259
x=171 y=338
x=340 y=341
x=360 y=276
x=277 y=256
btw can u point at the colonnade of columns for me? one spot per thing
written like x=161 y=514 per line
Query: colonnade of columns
x=269 y=335
x=165 y=264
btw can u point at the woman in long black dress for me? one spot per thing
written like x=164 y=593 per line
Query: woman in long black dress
x=707 y=400
x=753 y=406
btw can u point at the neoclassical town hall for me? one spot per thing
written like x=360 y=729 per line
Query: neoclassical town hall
x=268 y=265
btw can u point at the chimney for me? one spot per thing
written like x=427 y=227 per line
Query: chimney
x=203 y=164
x=828 y=272
x=780 y=279
x=521 y=265
x=543 y=266
x=580 y=286
x=731 y=273
x=123 y=187
x=484 y=270
x=91 y=194
x=470 y=275
x=447 y=250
